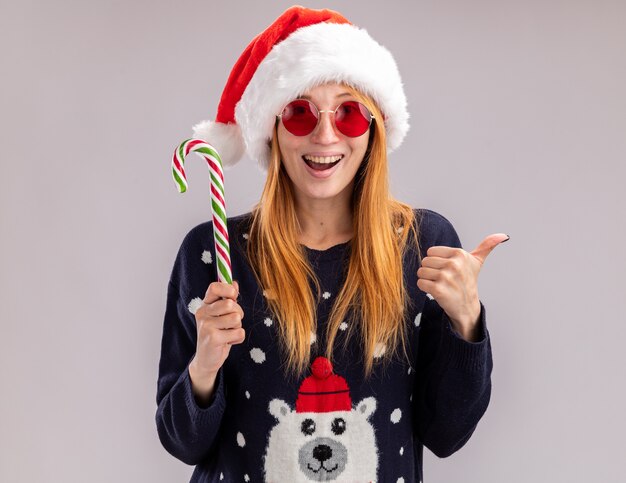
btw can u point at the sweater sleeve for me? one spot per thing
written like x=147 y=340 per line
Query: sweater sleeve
x=187 y=430
x=453 y=384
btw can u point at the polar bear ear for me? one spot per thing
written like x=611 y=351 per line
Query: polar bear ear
x=366 y=407
x=279 y=409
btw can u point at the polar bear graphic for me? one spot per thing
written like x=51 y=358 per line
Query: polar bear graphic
x=324 y=438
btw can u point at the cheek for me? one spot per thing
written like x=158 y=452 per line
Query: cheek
x=359 y=149
x=289 y=159
x=290 y=162
x=360 y=144
x=287 y=146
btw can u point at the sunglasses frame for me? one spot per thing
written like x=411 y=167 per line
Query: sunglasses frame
x=319 y=112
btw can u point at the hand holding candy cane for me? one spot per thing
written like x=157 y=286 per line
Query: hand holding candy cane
x=218 y=205
x=218 y=319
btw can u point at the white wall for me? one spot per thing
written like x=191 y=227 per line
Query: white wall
x=518 y=126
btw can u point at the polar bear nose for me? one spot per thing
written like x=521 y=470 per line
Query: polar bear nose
x=322 y=452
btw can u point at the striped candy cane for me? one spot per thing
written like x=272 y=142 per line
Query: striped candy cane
x=220 y=232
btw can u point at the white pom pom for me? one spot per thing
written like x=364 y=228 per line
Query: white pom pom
x=226 y=138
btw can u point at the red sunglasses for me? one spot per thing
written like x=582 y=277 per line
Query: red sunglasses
x=300 y=117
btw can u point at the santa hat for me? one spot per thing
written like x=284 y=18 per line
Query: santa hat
x=323 y=391
x=302 y=49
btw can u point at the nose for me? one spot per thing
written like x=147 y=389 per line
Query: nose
x=322 y=452
x=325 y=131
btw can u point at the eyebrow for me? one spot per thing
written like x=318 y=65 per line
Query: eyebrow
x=343 y=94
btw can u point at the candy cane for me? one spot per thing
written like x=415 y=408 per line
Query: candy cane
x=220 y=232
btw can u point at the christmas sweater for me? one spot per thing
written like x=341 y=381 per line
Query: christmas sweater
x=332 y=424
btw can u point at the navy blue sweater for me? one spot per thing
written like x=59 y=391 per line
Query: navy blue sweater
x=332 y=424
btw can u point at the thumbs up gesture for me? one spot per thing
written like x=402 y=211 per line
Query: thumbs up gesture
x=450 y=275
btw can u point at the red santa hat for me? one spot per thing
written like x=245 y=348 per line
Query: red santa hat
x=323 y=391
x=302 y=49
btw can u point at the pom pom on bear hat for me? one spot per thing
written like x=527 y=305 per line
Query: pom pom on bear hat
x=302 y=49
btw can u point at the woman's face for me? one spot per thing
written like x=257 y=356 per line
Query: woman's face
x=327 y=143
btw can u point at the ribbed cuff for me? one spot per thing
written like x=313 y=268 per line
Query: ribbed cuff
x=217 y=406
x=462 y=353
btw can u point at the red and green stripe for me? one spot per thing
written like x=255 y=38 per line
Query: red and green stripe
x=218 y=204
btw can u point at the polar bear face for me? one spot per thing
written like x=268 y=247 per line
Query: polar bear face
x=328 y=446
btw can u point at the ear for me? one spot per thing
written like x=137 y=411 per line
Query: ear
x=279 y=409
x=366 y=407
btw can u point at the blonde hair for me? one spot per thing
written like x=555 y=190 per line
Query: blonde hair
x=373 y=297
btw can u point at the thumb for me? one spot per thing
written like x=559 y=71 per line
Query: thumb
x=488 y=244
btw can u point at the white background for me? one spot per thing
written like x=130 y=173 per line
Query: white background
x=518 y=125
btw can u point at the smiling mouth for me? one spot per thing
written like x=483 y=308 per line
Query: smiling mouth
x=322 y=467
x=323 y=166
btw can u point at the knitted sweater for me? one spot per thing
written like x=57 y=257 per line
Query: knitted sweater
x=332 y=424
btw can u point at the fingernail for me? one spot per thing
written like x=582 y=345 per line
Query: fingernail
x=508 y=238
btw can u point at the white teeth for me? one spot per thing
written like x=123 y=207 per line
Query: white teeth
x=323 y=160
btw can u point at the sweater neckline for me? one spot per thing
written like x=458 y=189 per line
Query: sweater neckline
x=330 y=254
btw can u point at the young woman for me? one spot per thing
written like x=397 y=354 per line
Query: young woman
x=353 y=335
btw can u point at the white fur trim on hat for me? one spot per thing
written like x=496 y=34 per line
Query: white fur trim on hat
x=225 y=138
x=314 y=55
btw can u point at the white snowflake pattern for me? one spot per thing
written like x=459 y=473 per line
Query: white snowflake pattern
x=409 y=371
x=257 y=355
x=379 y=350
x=194 y=305
x=399 y=230
x=418 y=320
x=268 y=321
x=241 y=441
x=401 y=451
x=313 y=338
x=246 y=477
x=247 y=395
x=221 y=476
x=326 y=295
x=245 y=236
x=207 y=257
x=396 y=415
x=411 y=398
x=430 y=296
x=401 y=480
x=343 y=326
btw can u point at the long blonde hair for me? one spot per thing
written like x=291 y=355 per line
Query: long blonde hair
x=373 y=297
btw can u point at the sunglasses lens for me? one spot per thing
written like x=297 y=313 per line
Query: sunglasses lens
x=299 y=118
x=352 y=118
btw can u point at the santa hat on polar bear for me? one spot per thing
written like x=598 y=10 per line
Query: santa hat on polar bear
x=302 y=49
x=323 y=391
